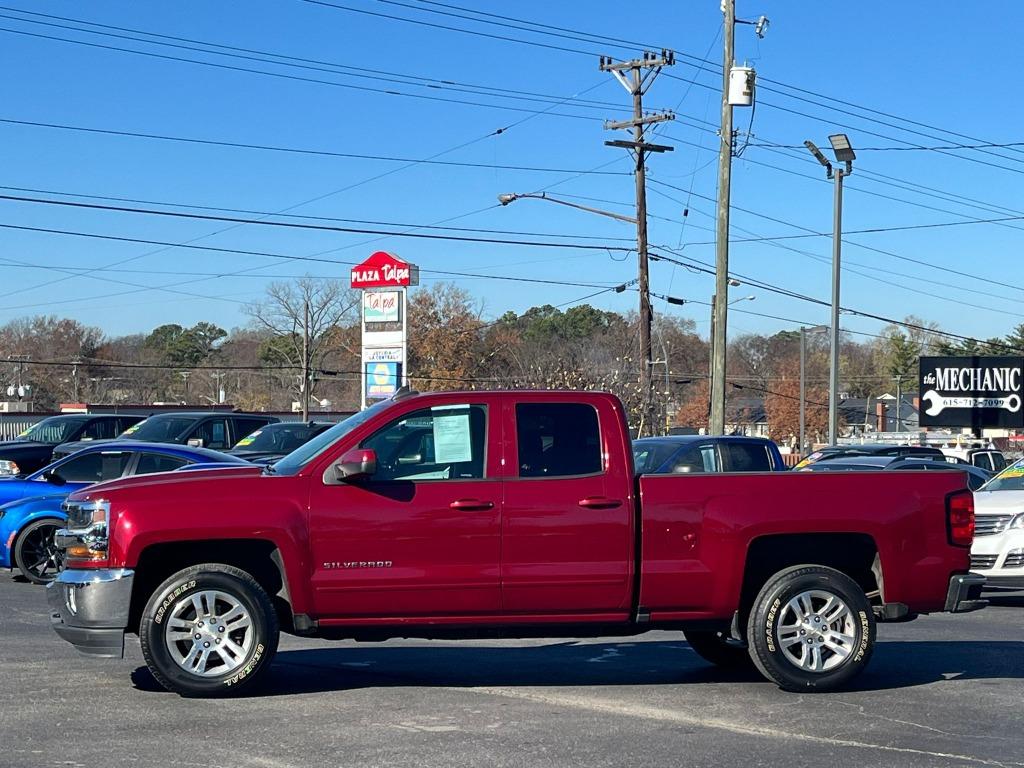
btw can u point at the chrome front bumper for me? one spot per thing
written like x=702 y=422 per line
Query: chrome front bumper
x=89 y=609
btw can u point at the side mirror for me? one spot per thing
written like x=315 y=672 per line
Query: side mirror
x=54 y=479
x=356 y=464
x=195 y=442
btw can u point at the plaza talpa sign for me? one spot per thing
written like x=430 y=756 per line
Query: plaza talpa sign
x=384 y=279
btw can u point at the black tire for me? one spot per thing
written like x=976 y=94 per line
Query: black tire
x=34 y=552
x=173 y=630
x=719 y=648
x=773 y=638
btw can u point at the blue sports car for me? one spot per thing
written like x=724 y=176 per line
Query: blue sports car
x=31 y=513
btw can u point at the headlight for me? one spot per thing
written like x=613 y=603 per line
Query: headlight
x=87 y=532
x=8 y=467
x=1017 y=522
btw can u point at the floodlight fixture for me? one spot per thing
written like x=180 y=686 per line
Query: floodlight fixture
x=817 y=154
x=841 y=146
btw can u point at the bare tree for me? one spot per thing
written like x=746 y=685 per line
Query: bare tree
x=306 y=320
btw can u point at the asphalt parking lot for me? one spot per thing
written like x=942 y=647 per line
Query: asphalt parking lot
x=943 y=690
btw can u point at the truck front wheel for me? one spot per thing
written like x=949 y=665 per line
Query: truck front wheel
x=209 y=630
x=811 y=629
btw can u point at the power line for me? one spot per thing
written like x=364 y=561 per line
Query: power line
x=563 y=33
x=757 y=283
x=298 y=78
x=312 y=218
x=303 y=151
x=314 y=227
x=930 y=265
x=286 y=257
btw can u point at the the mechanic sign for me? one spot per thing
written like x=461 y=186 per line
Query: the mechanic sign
x=972 y=392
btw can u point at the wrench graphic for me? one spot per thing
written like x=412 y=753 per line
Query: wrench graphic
x=937 y=403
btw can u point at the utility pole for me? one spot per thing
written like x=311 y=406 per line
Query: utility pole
x=899 y=402
x=716 y=425
x=803 y=390
x=636 y=76
x=305 y=361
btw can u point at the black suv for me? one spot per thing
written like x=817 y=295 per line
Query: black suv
x=218 y=431
x=34 y=448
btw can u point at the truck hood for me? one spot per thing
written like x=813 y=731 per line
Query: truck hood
x=166 y=478
x=998 y=502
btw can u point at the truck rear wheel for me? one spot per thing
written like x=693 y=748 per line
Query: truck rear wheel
x=811 y=629
x=719 y=648
x=209 y=630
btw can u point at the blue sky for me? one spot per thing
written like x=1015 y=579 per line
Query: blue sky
x=911 y=60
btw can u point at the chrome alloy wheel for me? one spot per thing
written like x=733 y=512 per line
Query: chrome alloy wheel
x=816 y=631
x=209 y=633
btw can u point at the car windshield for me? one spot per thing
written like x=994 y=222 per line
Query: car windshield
x=53 y=430
x=1010 y=479
x=278 y=438
x=158 y=429
x=297 y=459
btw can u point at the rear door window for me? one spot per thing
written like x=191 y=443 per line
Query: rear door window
x=157 y=462
x=745 y=457
x=94 y=467
x=558 y=440
x=99 y=429
x=213 y=433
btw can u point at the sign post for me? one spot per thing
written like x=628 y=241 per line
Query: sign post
x=975 y=392
x=384 y=279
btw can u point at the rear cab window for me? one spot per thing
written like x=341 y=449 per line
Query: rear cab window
x=557 y=440
x=745 y=457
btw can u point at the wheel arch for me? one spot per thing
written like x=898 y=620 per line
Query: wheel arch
x=261 y=558
x=855 y=554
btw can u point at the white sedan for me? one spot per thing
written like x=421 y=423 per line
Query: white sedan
x=998 y=550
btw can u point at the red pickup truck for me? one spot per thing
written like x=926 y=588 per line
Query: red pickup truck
x=505 y=514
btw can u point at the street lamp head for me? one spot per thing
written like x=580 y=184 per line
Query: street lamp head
x=507 y=197
x=841 y=146
x=817 y=154
x=733 y=282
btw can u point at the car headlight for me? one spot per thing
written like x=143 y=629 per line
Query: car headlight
x=1017 y=522
x=8 y=467
x=88 y=530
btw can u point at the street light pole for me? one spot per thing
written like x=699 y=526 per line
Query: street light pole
x=845 y=155
x=833 y=374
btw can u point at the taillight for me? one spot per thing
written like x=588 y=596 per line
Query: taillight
x=960 y=516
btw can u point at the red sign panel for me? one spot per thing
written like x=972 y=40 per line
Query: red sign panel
x=384 y=270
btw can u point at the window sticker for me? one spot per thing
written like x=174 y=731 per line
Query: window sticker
x=248 y=440
x=452 y=439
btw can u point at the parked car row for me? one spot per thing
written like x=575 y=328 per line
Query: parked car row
x=63 y=454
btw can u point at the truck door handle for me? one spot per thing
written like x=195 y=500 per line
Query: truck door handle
x=600 y=502
x=471 y=505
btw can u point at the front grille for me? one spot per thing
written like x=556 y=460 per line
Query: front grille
x=989 y=525
x=1015 y=559
x=983 y=562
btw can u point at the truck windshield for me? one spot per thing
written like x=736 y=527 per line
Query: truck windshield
x=53 y=430
x=1010 y=479
x=297 y=459
x=159 y=430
